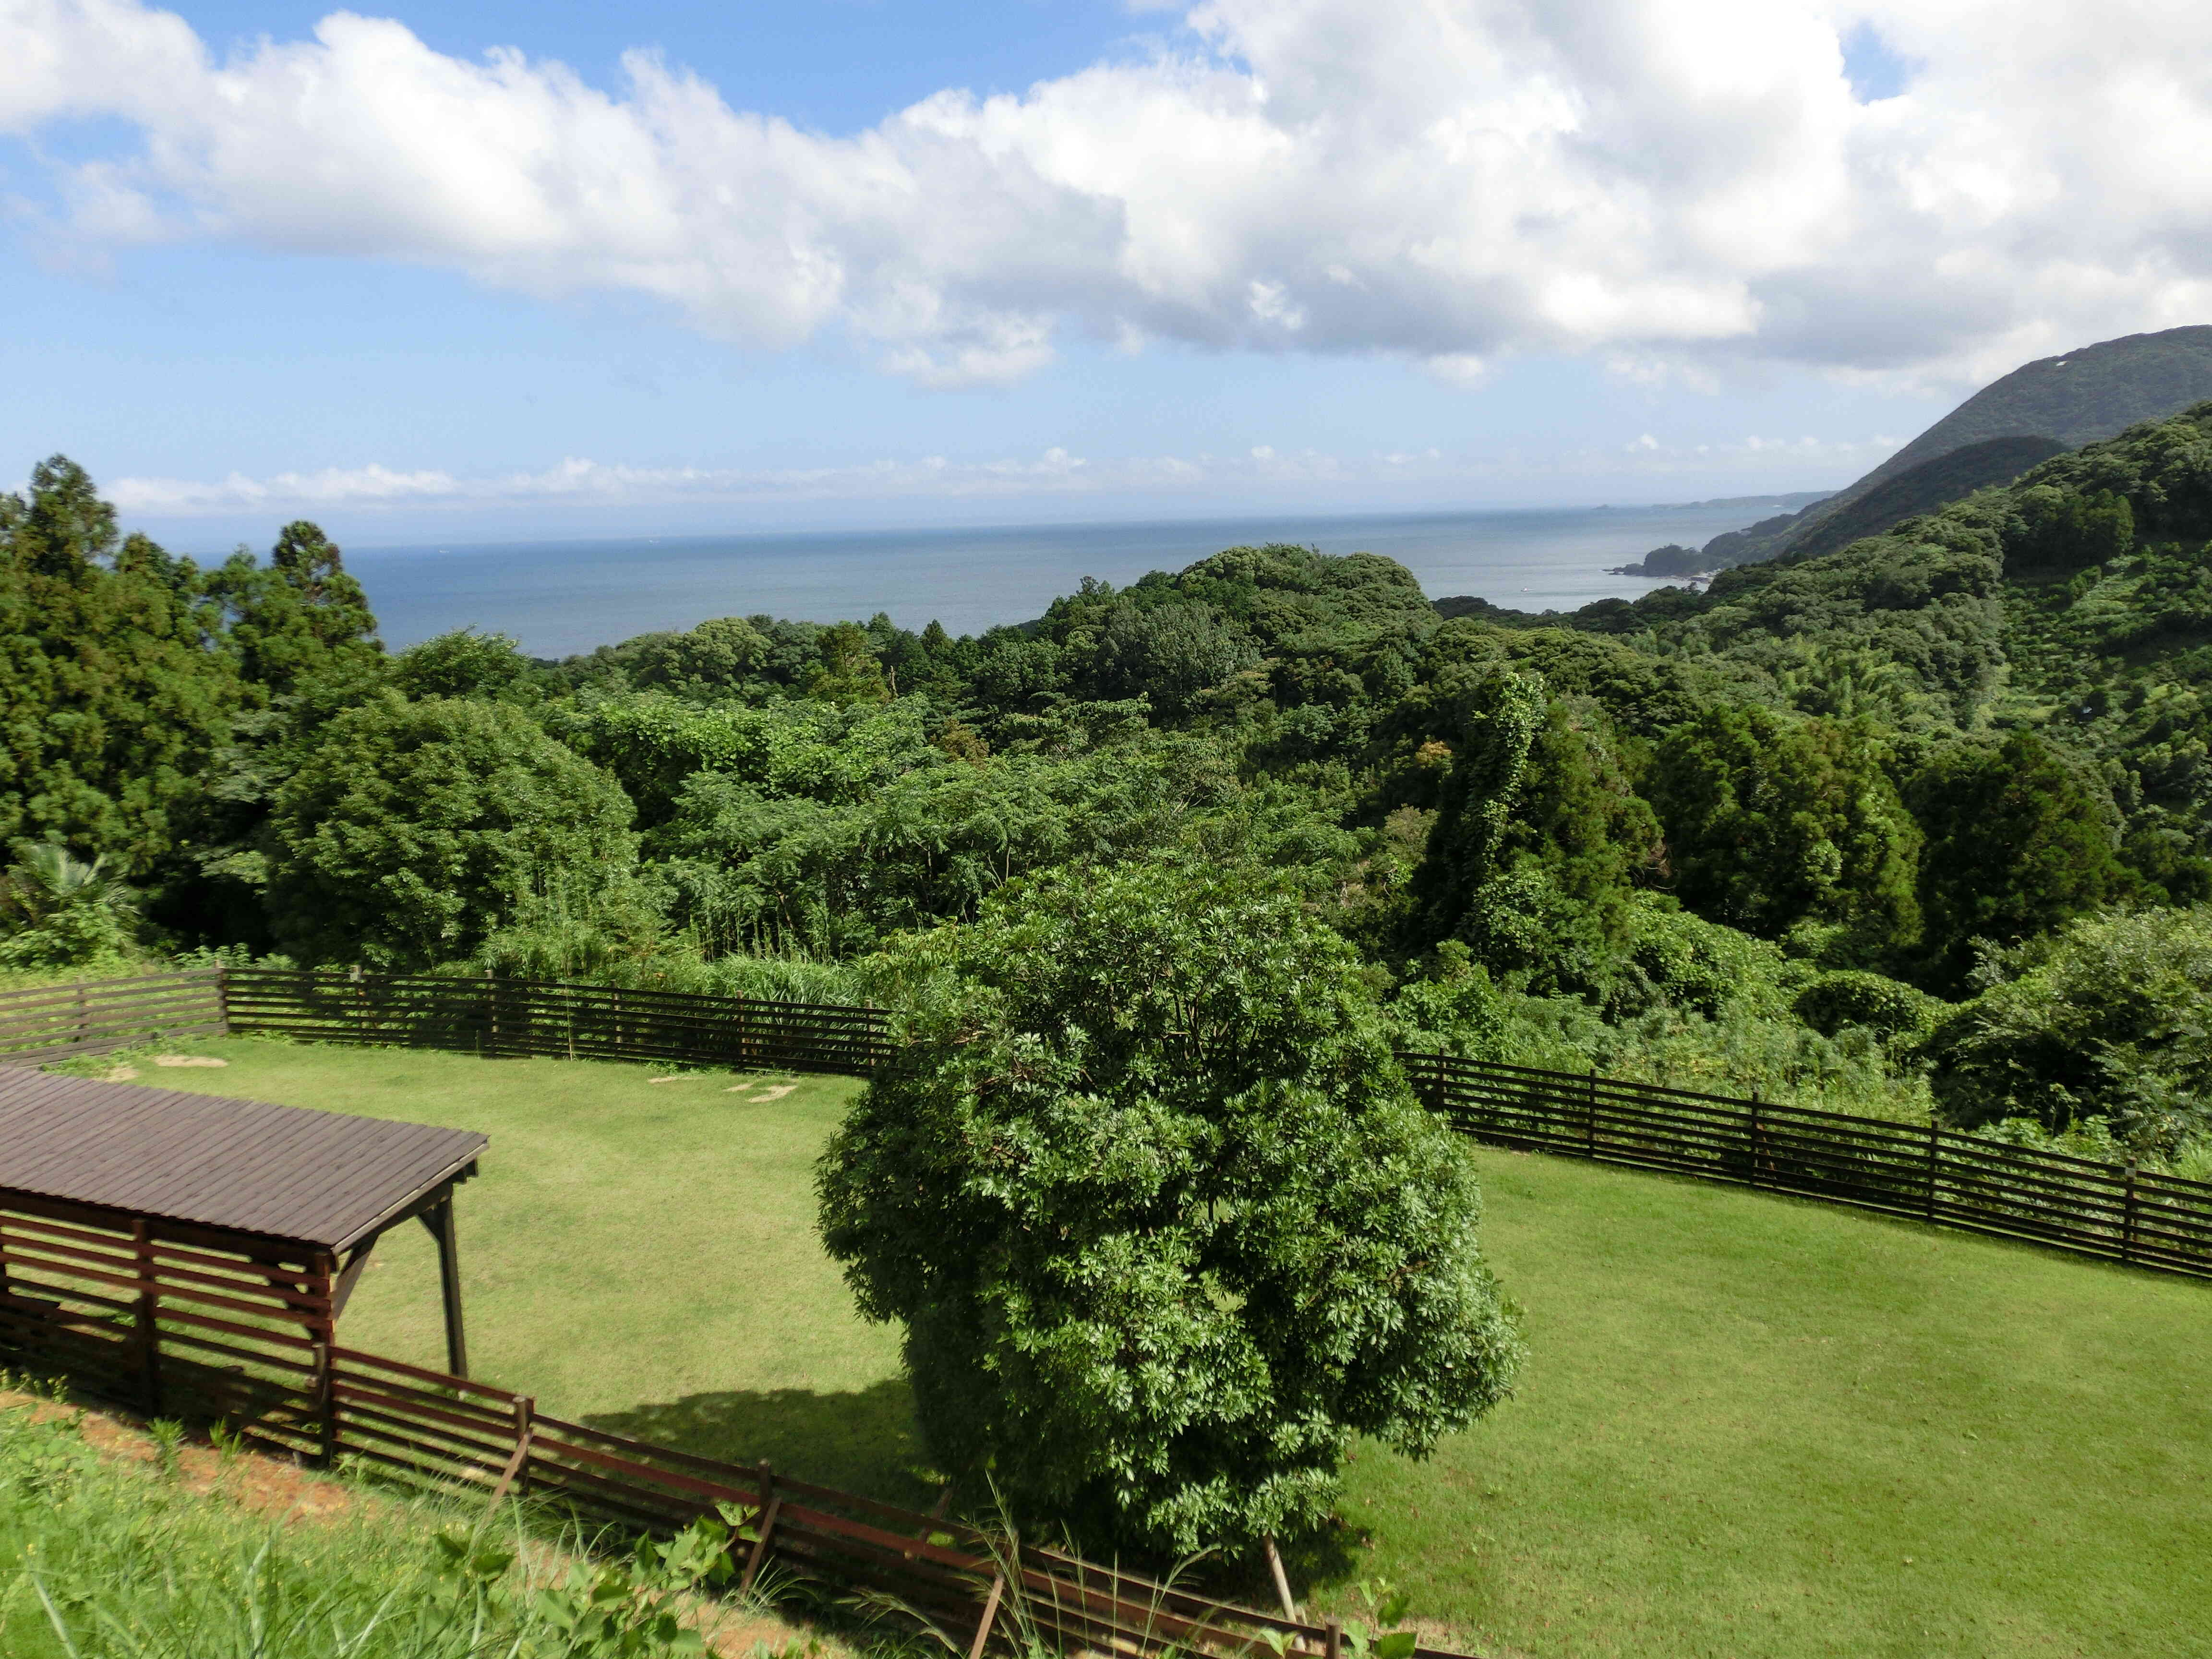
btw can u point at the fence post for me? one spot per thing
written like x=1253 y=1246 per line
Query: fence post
x=1935 y=1159
x=1589 y=1115
x=990 y=1614
x=2128 y=1216
x=1758 y=1137
x=360 y=1004
x=223 y=1000
x=516 y=1475
x=770 y=1504
x=83 y=1015
x=150 y=1317
x=1332 y=1638
x=491 y=1016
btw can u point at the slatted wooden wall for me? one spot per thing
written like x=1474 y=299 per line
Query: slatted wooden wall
x=169 y=1318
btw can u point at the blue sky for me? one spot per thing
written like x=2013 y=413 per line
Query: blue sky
x=1294 y=255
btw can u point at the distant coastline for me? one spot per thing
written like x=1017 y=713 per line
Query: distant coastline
x=559 y=597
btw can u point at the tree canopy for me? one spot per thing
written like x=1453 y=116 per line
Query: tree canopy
x=1162 y=1221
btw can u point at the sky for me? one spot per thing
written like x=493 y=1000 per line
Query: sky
x=491 y=271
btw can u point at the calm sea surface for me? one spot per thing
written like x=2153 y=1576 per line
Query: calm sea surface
x=558 y=598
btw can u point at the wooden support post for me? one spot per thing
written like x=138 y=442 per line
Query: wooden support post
x=223 y=1000
x=1758 y=1139
x=350 y=1275
x=770 y=1504
x=150 y=1317
x=990 y=1615
x=491 y=1023
x=2128 y=1216
x=327 y=1405
x=1282 y=1580
x=1589 y=1115
x=1332 y=1639
x=439 y=1219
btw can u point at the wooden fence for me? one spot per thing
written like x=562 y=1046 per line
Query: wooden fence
x=1931 y=1174
x=53 y=1020
x=495 y=1017
x=158 y=1318
x=1935 y=1175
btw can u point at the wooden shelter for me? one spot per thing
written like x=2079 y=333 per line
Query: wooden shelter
x=188 y=1245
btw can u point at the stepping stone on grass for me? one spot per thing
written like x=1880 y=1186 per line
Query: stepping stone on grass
x=188 y=1060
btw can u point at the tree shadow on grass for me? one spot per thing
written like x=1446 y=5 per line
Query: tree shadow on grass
x=865 y=1443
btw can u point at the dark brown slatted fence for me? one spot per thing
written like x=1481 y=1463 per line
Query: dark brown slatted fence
x=1933 y=1175
x=53 y=1020
x=1941 y=1176
x=496 y=1017
x=247 y=1341
x=429 y=1426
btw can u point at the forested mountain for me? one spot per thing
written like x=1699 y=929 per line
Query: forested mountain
x=2041 y=408
x=1922 y=822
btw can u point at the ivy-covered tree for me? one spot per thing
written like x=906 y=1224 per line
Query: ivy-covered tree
x=1164 y=1225
x=1771 y=821
x=1540 y=841
x=2017 y=845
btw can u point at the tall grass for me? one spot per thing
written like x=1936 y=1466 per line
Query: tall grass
x=108 y=1556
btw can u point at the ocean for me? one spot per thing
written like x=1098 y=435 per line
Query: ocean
x=558 y=598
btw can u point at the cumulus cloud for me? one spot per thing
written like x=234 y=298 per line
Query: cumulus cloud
x=1665 y=182
x=1056 y=472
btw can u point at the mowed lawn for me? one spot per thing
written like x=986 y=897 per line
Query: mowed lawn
x=1749 y=1425
x=639 y=1255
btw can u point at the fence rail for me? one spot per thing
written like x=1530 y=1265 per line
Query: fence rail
x=516 y=1016
x=50 y=1021
x=1932 y=1174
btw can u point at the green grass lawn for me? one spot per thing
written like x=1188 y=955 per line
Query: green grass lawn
x=638 y=1255
x=1750 y=1425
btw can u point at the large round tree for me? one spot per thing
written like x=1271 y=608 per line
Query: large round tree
x=417 y=831
x=1164 y=1225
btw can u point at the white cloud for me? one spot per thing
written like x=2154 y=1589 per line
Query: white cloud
x=1668 y=182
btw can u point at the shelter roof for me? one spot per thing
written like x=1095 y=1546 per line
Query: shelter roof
x=323 y=1178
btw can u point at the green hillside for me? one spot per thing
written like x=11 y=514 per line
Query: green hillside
x=1945 y=477
x=2093 y=392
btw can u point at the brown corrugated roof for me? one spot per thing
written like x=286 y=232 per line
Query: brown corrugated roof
x=323 y=1178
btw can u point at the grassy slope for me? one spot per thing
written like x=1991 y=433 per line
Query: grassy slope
x=1743 y=1415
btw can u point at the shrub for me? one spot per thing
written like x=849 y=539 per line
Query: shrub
x=2106 y=1019
x=1161 y=1218
x=1887 y=1007
x=65 y=912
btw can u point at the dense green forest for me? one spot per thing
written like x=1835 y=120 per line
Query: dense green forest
x=1921 y=823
